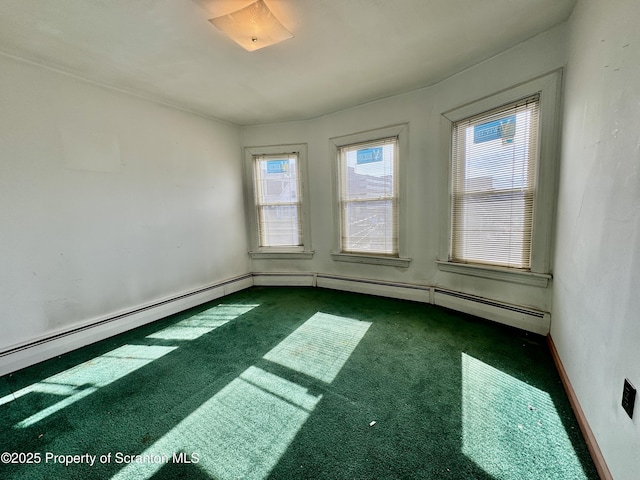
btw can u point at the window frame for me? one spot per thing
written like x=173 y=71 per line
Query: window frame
x=467 y=196
x=401 y=133
x=548 y=87
x=257 y=251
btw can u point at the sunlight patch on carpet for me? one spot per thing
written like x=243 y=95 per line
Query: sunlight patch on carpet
x=245 y=428
x=241 y=432
x=86 y=378
x=202 y=323
x=511 y=429
x=82 y=380
x=320 y=346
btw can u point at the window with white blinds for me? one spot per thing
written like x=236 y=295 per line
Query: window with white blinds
x=494 y=165
x=369 y=197
x=278 y=200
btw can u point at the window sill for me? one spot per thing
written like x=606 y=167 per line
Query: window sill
x=371 y=259
x=281 y=255
x=496 y=273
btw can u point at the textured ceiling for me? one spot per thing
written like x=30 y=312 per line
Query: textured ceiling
x=344 y=53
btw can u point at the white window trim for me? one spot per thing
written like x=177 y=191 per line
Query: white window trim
x=549 y=88
x=400 y=131
x=303 y=252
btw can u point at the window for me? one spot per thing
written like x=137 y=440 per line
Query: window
x=494 y=159
x=370 y=201
x=278 y=202
x=369 y=197
x=503 y=173
x=276 y=206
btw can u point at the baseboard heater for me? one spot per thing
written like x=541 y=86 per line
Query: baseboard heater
x=404 y=291
x=292 y=279
x=527 y=319
x=516 y=316
x=57 y=343
x=60 y=342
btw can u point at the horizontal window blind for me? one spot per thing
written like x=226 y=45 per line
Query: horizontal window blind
x=494 y=158
x=369 y=197
x=278 y=200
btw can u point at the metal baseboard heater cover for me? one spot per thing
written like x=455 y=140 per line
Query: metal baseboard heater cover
x=527 y=319
x=59 y=342
x=56 y=343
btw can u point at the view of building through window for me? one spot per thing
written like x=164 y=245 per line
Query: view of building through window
x=494 y=170
x=278 y=200
x=368 y=199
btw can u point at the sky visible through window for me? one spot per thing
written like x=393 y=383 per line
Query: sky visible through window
x=501 y=163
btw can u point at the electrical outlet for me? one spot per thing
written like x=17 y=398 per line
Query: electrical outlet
x=628 y=397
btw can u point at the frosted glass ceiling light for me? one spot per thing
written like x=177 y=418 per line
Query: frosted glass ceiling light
x=252 y=27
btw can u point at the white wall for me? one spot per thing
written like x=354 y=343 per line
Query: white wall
x=426 y=169
x=107 y=202
x=596 y=292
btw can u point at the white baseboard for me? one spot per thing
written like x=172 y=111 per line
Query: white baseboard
x=58 y=343
x=524 y=318
x=284 y=279
x=375 y=287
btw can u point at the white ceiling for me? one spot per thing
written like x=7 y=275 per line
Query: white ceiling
x=344 y=53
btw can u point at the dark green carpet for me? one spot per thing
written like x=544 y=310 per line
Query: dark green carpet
x=287 y=383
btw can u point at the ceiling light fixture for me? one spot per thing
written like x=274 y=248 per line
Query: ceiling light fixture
x=252 y=27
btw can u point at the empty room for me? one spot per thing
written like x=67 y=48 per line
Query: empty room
x=282 y=239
